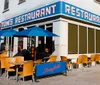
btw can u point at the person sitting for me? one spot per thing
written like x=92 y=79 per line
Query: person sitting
x=46 y=54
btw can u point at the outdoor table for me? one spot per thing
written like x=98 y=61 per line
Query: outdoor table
x=17 y=66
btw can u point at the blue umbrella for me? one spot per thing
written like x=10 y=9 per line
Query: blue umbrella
x=8 y=33
x=35 y=31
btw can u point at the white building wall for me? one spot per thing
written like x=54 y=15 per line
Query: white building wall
x=61 y=43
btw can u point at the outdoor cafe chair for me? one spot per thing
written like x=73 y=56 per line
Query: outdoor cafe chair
x=19 y=59
x=27 y=70
x=52 y=59
x=97 y=58
x=9 y=66
x=92 y=58
x=4 y=54
x=79 y=61
x=68 y=62
x=38 y=61
x=85 y=61
x=2 y=63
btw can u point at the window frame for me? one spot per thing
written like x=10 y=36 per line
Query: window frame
x=21 y=1
x=6 y=2
x=97 y=1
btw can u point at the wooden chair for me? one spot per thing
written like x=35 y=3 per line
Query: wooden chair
x=52 y=59
x=27 y=70
x=68 y=63
x=9 y=64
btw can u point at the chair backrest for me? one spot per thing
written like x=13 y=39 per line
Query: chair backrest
x=52 y=58
x=3 y=55
x=63 y=58
x=3 y=62
x=19 y=59
x=79 y=59
x=9 y=62
x=92 y=58
x=84 y=59
x=28 y=68
x=97 y=57
x=38 y=61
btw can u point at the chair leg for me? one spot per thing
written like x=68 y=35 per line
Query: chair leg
x=23 y=79
x=32 y=78
x=0 y=71
x=7 y=74
x=17 y=78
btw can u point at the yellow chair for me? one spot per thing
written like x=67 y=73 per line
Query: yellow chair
x=92 y=58
x=38 y=61
x=85 y=60
x=9 y=64
x=79 y=61
x=19 y=59
x=97 y=58
x=52 y=59
x=2 y=63
x=27 y=70
x=4 y=54
x=68 y=63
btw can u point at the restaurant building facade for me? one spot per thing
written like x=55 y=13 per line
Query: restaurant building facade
x=76 y=22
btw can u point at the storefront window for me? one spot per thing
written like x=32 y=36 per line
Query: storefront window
x=82 y=39
x=90 y=40
x=97 y=41
x=72 y=39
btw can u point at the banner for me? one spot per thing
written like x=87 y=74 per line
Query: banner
x=50 y=68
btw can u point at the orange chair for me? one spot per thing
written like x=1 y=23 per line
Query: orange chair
x=19 y=59
x=91 y=59
x=38 y=61
x=97 y=58
x=2 y=63
x=4 y=54
x=52 y=59
x=9 y=64
x=79 y=61
x=68 y=63
x=85 y=60
x=27 y=70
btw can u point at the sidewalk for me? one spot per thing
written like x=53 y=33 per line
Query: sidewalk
x=86 y=76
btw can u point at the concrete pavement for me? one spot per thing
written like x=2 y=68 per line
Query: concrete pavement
x=86 y=76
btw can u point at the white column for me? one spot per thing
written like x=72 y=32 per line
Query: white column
x=61 y=43
x=24 y=42
x=15 y=47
